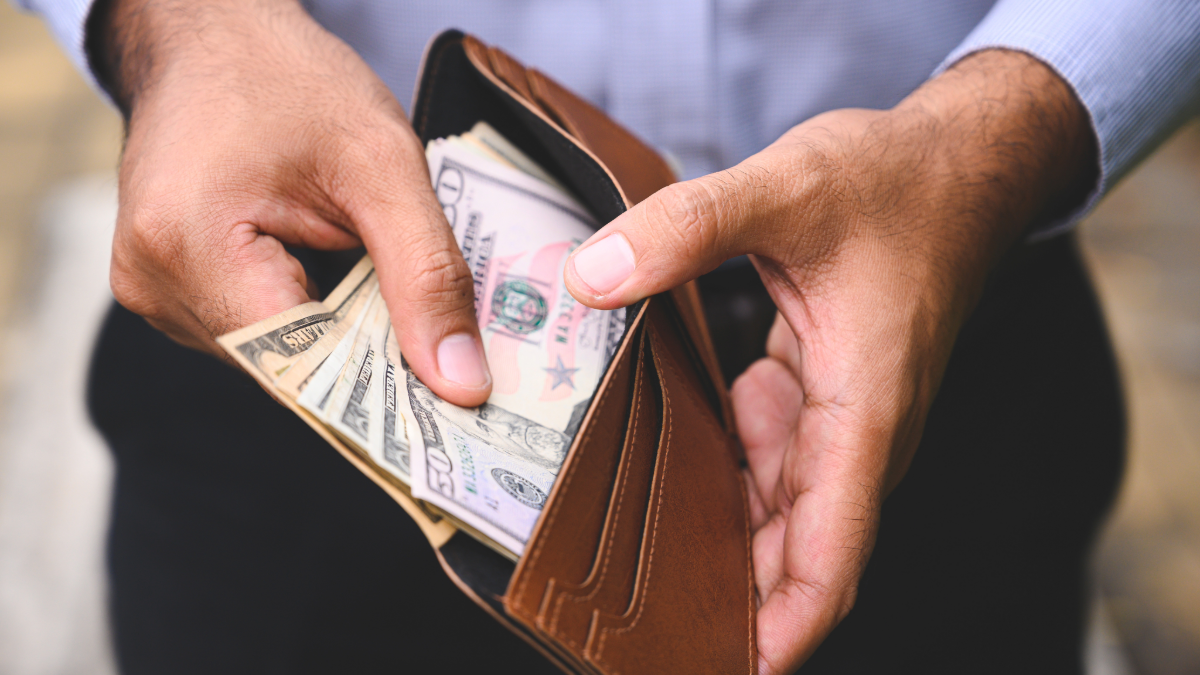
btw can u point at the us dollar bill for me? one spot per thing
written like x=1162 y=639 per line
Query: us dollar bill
x=269 y=348
x=492 y=467
x=486 y=136
x=344 y=300
x=317 y=396
x=349 y=412
x=388 y=445
x=347 y=303
x=489 y=467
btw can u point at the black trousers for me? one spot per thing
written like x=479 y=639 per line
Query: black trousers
x=241 y=543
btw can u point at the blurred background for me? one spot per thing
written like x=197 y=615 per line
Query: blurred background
x=59 y=145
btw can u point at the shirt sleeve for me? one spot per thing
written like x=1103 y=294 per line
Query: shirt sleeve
x=66 y=20
x=1135 y=66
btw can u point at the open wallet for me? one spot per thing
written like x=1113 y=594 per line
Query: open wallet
x=640 y=559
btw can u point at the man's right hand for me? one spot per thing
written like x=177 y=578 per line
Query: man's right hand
x=251 y=127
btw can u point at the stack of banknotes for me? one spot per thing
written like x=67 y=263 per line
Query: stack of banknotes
x=488 y=469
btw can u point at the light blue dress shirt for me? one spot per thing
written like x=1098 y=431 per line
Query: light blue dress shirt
x=714 y=81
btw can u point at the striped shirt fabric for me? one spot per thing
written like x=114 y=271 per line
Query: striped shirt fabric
x=711 y=82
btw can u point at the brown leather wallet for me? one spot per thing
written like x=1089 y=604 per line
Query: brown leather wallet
x=640 y=561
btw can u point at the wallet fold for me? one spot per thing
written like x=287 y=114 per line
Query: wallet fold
x=640 y=561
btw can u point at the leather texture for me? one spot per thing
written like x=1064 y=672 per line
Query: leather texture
x=640 y=562
x=693 y=604
x=569 y=538
x=567 y=610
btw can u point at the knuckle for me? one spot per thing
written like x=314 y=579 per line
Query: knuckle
x=150 y=238
x=812 y=593
x=130 y=275
x=372 y=149
x=687 y=212
x=441 y=282
x=846 y=602
x=157 y=263
x=130 y=290
x=826 y=175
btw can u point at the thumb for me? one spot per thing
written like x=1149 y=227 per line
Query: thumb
x=424 y=281
x=674 y=236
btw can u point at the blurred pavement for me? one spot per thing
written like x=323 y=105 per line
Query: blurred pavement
x=1144 y=246
x=55 y=472
x=56 y=218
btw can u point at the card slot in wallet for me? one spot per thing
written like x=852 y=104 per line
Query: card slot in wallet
x=693 y=605
x=568 y=608
x=567 y=537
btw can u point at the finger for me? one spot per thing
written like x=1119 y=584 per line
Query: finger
x=758 y=508
x=819 y=556
x=422 y=275
x=767 y=399
x=783 y=345
x=197 y=290
x=768 y=554
x=675 y=235
x=294 y=222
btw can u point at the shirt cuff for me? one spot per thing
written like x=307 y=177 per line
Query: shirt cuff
x=1134 y=65
x=66 y=20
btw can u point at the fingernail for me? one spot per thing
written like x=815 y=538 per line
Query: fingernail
x=606 y=263
x=460 y=361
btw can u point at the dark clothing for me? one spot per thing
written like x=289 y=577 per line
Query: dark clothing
x=242 y=543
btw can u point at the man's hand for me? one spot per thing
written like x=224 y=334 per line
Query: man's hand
x=251 y=127
x=874 y=233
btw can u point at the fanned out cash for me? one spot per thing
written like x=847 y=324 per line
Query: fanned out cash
x=489 y=469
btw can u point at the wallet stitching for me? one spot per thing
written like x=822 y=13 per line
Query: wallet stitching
x=542 y=88
x=637 y=411
x=745 y=521
x=750 y=647
x=554 y=509
x=604 y=633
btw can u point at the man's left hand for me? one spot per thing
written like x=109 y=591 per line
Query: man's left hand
x=874 y=232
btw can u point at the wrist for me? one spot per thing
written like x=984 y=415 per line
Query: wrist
x=134 y=46
x=1007 y=146
x=1012 y=143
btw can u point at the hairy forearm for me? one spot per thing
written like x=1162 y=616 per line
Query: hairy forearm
x=103 y=54
x=132 y=45
x=950 y=179
x=1010 y=143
